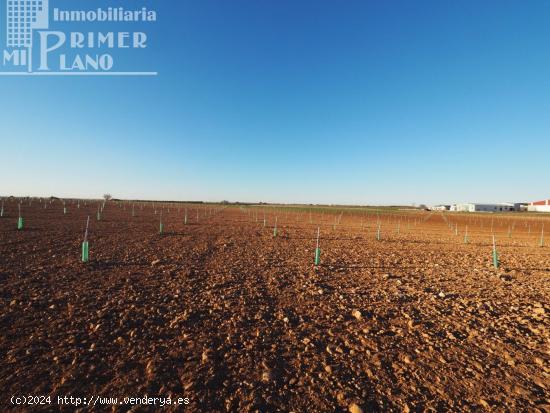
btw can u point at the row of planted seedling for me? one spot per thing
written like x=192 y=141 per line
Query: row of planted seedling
x=496 y=224
x=100 y=210
x=85 y=243
x=101 y=206
x=399 y=223
x=495 y=254
x=454 y=227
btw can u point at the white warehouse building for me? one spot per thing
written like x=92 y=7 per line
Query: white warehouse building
x=539 y=206
x=440 y=208
x=473 y=207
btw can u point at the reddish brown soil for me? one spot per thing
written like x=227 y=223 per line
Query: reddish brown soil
x=225 y=314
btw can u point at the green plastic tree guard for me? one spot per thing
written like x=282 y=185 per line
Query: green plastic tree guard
x=317 y=256
x=20 y=224
x=85 y=251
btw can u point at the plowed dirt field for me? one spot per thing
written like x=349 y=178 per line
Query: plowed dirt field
x=223 y=313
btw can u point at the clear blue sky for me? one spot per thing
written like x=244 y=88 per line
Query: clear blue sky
x=378 y=102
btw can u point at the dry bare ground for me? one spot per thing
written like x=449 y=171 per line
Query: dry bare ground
x=222 y=312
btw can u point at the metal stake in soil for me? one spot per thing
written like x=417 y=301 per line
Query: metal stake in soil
x=317 y=249
x=495 y=254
